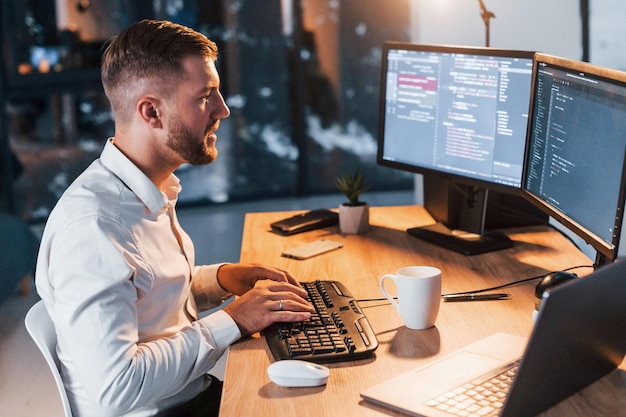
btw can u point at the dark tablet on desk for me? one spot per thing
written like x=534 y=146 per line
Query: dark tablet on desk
x=314 y=219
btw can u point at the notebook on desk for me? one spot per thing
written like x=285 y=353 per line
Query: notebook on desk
x=579 y=336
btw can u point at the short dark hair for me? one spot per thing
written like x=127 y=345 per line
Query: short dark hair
x=149 y=49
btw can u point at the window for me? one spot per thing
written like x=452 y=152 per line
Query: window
x=301 y=79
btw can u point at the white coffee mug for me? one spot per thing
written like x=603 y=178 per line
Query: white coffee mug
x=419 y=295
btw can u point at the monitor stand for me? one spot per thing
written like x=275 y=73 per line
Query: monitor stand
x=463 y=242
x=460 y=212
x=600 y=261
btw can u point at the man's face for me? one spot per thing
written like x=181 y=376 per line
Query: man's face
x=199 y=109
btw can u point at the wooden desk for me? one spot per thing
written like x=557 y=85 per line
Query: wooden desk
x=363 y=260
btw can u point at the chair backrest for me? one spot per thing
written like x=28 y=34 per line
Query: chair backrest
x=41 y=329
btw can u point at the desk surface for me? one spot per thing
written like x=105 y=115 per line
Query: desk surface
x=363 y=260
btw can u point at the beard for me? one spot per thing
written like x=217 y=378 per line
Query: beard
x=193 y=149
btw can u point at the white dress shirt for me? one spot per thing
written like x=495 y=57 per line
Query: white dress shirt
x=117 y=275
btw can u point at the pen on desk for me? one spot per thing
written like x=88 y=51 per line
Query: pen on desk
x=476 y=297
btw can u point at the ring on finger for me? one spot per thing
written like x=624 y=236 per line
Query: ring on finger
x=280 y=305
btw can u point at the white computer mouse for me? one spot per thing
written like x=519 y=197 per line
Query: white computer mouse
x=297 y=373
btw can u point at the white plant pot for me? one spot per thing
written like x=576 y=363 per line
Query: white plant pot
x=354 y=219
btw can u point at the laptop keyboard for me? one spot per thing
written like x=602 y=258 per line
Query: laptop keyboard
x=481 y=397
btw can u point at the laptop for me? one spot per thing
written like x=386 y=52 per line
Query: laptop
x=579 y=336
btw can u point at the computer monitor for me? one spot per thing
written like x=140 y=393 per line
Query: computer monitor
x=458 y=115
x=574 y=168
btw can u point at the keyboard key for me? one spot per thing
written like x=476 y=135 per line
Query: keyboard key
x=477 y=399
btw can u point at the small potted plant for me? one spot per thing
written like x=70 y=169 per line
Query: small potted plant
x=353 y=214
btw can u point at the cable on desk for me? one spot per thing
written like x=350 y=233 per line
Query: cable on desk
x=384 y=302
x=518 y=282
x=510 y=284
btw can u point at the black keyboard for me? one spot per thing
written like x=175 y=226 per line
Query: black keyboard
x=338 y=331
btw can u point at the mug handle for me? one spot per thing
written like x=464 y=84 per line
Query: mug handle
x=382 y=288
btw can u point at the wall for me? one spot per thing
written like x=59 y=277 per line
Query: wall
x=608 y=33
x=552 y=27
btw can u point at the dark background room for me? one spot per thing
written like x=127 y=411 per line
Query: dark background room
x=301 y=78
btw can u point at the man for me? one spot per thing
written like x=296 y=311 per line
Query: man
x=115 y=269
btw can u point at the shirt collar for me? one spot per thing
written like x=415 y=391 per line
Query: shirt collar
x=122 y=167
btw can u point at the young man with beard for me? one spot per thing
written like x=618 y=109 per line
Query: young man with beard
x=115 y=269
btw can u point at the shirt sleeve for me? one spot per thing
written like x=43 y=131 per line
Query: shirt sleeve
x=90 y=267
x=207 y=291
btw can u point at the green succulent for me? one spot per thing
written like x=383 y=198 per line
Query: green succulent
x=351 y=185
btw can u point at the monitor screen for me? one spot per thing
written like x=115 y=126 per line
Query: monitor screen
x=574 y=169
x=455 y=112
x=458 y=115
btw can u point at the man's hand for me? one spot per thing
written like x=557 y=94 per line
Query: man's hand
x=239 y=278
x=269 y=302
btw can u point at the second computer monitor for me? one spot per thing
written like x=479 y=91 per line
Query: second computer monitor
x=460 y=111
x=457 y=115
x=576 y=149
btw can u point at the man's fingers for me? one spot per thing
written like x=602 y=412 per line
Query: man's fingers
x=290 y=316
x=282 y=286
x=288 y=303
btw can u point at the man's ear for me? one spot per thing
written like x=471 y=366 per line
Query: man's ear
x=149 y=111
